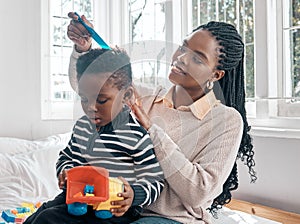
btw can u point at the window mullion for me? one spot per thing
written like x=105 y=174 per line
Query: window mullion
x=261 y=69
x=101 y=16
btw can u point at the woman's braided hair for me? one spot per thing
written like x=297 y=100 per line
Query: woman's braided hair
x=231 y=60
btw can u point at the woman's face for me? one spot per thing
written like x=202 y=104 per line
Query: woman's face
x=194 y=63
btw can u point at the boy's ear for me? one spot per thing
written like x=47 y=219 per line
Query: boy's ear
x=128 y=94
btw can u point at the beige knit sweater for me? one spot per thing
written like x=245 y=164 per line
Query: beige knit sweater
x=196 y=152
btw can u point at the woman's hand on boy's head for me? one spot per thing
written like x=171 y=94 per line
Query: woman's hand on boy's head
x=125 y=204
x=62 y=179
x=78 y=33
x=136 y=106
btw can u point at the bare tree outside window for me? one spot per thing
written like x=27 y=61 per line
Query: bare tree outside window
x=294 y=32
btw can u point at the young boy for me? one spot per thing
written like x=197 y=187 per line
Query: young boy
x=107 y=136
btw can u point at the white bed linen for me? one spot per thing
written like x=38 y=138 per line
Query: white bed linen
x=27 y=174
x=228 y=216
x=27 y=169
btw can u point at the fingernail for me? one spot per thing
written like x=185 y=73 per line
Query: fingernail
x=119 y=195
x=112 y=203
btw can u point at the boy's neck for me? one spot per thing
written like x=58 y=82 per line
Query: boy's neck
x=118 y=120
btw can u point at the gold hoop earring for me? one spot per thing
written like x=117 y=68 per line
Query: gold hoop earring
x=210 y=85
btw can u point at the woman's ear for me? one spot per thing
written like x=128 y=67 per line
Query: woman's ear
x=218 y=74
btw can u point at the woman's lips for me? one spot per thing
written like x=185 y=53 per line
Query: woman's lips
x=177 y=70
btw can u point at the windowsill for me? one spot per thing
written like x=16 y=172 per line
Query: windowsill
x=275 y=127
x=275 y=132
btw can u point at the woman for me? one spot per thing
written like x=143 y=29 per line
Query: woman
x=197 y=139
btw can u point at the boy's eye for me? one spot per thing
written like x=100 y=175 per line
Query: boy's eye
x=102 y=101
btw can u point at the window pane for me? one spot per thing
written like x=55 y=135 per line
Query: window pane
x=294 y=49
x=66 y=6
x=147 y=20
x=229 y=7
x=247 y=32
x=56 y=30
x=295 y=12
x=248 y=18
x=147 y=23
x=84 y=7
x=56 y=7
x=203 y=11
x=249 y=75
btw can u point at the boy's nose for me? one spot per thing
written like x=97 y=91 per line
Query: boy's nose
x=92 y=106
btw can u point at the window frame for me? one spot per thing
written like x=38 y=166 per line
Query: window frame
x=270 y=85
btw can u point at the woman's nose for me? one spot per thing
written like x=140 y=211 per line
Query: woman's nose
x=183 y=58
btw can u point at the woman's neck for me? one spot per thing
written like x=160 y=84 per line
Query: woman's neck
x=184 y=97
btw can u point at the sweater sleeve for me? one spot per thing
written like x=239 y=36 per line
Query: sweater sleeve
x=65 y=158
x=72 y=68
x=198 y=181
x=148 y=173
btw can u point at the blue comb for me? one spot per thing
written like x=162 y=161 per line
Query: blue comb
x=93 y=33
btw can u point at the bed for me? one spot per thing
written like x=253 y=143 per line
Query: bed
x=28 y=175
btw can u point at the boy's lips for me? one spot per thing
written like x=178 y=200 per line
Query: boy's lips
x=95 y=120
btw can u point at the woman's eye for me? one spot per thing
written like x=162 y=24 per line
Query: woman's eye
x=181 y=48
x=197 y=60
x=102 y=101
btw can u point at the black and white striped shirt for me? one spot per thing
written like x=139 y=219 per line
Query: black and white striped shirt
x=123 y=147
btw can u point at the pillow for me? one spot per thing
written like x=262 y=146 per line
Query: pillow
x=16 y=145
x=28 y=170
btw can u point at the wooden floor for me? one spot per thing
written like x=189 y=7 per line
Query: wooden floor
x=265 y=212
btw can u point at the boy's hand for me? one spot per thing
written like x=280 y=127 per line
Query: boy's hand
x=62 y=179
x=125 y=204
x=78 y=34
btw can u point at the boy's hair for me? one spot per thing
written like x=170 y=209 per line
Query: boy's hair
x=231 y=60
x=101 y=61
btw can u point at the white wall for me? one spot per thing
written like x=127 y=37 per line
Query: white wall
x=20 y=79
x=277 y=160
x=278 y=168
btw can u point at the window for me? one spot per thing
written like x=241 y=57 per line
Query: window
x=152 y=29
x=58 y=97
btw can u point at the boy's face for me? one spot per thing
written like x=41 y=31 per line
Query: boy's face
x=100 y=99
